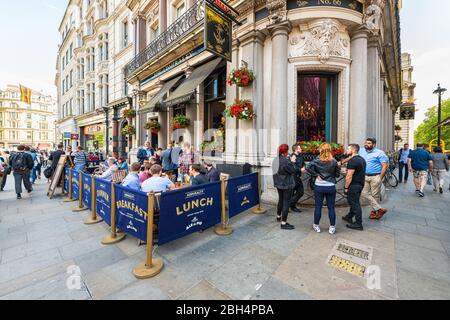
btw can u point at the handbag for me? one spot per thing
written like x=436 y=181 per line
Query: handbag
x=48 y=172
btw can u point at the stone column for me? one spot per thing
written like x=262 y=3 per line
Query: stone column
x=358 y=87
x=140 y=33
x=231 y=123
x=190 y=3
x=162 y=15
x=373 y=82
x=279 y=91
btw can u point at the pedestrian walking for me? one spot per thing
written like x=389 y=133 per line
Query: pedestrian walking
x=22 y=163
x=283 y=179
x=325 y=170
x=298 y=191
x=6 y=169
x=403 y=164
x=80 y=159
x=354 y=185
x=420 y=163
x=377 y=164
x=440 y=169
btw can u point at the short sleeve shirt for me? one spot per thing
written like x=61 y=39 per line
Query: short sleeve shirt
x=420 y=159
x=156 y=184
x=374 y=160
x=359 y=165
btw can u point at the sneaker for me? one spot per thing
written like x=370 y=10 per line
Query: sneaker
x=421 y=194
x=417 y=191
x=355 y=226
x=347 y=219
x=381 y=213
x=287 y=226
x=316 y=228
x=332 y=230
x=440 y=190
x=29 y=191
x=19 y=196
x=373 y=215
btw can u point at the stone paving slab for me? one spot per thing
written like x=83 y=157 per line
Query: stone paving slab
x=411 y=246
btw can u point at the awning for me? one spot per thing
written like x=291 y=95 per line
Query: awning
x=188 y=87
x=151 y=105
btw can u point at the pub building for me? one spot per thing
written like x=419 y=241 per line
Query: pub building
x=327 y=68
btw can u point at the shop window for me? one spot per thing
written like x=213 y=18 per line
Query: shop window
x=317 y=107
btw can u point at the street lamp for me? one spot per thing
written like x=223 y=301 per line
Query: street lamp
x=439 y=91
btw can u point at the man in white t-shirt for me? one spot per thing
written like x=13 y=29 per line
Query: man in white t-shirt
x=157 y=183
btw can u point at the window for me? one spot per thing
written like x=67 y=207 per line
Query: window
x=180 y=10
x=29 y=125
x=14 y=135
x=43 y=136
x=28 y=116
x=124 y=34
x=71 y=51
x=29 y=135
x=43 y=126
x=154 y=31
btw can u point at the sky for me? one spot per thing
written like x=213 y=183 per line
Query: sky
x=29 y=44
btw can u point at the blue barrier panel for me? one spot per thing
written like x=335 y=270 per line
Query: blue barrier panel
x=87 y=190
x=66 y=179
x=103 y=199
x=75 y=184
x=189 y=210
x=131 y=211
x=242 y=194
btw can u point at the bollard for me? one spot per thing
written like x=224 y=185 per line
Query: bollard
x=115 y=236
x=70 y=188
x=223 y=229
x=151 y=267
x=94 y=218
x=81 y=206
x=259 y=210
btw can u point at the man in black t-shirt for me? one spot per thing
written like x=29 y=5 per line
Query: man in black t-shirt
x=354 y=185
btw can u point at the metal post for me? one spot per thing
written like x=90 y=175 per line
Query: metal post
x=94 y=218
x=151 y=267
x=115 y=236
x=81 y=206
x=439 y=117
x=70 y=188
x=223 y=229
x=259 y=210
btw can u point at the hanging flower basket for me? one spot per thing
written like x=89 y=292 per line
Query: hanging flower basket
x=310 y=149
x=241 y=77
x=181 y=122
x=128 y=130
x=241 y=109
x=129 y=113
x=154 y=126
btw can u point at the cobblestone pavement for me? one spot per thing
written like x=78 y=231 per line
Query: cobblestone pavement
x=408 y=253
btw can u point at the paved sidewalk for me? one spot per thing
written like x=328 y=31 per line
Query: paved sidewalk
x=41 y=238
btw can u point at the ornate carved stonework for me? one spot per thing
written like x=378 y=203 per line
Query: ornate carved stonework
x=323 y=39
x=374 y=14
x=277 y=10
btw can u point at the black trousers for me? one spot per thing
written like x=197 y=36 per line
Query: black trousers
x=297 y=193
x=353 y=198
x=284 y=201
x=3 y=181
x=22 y=177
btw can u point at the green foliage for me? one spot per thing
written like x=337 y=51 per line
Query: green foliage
x=426 y=132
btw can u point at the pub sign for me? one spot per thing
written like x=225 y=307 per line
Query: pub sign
x=218 y=32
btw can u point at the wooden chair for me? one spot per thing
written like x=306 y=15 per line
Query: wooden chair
x=119 y=176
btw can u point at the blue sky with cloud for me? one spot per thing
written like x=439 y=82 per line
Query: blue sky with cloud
x=29 y=36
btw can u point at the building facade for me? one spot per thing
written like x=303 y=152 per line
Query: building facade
x=328 y=68
x=96 y=43
x=406 y=134
x=28 y=124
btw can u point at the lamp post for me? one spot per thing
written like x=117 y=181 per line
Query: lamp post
x=439 y=91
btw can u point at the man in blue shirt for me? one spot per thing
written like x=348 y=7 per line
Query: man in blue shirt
x=132 y=179
x=376 y=166
x=403 y=163
x=419 y=162
x=157 y=183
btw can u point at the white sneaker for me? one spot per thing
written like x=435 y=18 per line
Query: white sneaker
x=332 y=230
x=316 y=228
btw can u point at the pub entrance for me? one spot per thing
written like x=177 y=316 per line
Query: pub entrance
x=317 y=106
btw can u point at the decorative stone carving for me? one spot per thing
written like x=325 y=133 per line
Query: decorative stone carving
x=323 y=39
x=373 y=15
x=277 y=10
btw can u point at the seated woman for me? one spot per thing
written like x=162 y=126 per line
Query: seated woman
x=145 y=174
x=112 y=167
x=122 y=164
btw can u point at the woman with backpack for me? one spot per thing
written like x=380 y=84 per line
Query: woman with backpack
x=325 y=170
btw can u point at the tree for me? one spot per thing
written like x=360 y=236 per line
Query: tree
x=427 y=132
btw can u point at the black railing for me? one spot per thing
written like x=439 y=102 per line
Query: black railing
x=185 y=24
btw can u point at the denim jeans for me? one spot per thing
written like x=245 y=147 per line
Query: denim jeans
x=402 y=167
x=33 y=175
x=321 y=193
x=79 y=167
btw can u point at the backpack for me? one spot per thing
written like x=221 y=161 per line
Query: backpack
x=48 y=173
x=19 y=162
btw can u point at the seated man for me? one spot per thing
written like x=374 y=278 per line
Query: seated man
x=213 y=174
x=157 y=183
x=132 y=179
x=112 y=167
x=198 y=178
